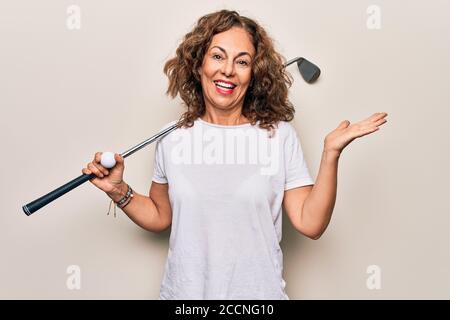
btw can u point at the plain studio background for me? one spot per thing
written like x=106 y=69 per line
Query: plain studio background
x=66 y=94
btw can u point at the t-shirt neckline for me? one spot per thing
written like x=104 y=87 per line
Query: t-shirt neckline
x=223 y=126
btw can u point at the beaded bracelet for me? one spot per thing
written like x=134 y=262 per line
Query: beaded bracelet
x=122 y=203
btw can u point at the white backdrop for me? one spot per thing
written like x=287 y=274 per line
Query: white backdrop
x=67 y=93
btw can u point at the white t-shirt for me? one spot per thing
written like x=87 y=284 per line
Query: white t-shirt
x=226 y=187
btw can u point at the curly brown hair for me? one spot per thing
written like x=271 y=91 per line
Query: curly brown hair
x=266 y=99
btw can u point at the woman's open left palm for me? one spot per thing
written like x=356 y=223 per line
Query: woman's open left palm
x=345 y=133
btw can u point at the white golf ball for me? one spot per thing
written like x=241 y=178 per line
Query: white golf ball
x=108 y=160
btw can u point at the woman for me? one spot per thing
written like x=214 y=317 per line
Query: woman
x=221 y=178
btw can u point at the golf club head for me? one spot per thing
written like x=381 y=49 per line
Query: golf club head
x=309 y=71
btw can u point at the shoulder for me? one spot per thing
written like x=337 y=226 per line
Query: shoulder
x=284 y=125
x=165 y=127
x=169 y=124
x=286 y=130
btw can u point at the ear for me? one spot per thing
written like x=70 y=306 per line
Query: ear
x=199 y=70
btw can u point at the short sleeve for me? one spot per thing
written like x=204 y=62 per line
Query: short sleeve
x=159 y=173
x=297 y=173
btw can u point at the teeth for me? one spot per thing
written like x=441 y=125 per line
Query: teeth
x=225 y=85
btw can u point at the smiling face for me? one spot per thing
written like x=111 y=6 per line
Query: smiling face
x=228 y=58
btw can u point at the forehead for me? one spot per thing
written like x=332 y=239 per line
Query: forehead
x=234 y=40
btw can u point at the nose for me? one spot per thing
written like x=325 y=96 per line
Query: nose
x=228 y=68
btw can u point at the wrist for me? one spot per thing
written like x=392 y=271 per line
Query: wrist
x=119 y=192
x=331 y=154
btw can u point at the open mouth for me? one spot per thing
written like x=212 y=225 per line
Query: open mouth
x=224 y=86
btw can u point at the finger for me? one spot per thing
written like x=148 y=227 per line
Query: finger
x=95 y=170
x=375 y=117
x=380 y=122
x=101 y=168
x=362 y=130
x=119 y=160
x=367 y=131
x=89 y=172
x=118 y=157
x=344 y=124
x=379 y=115
x=98 y=157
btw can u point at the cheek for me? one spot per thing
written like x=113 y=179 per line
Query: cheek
x=246 y=79
x=210 y=67
x=247 y=76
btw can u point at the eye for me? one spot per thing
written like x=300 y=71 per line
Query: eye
x=245 y=63
x=216 y=55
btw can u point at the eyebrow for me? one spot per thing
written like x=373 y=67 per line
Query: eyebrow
x=239 y=54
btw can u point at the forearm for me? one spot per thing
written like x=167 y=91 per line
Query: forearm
x=318 y=206
x=141 y=209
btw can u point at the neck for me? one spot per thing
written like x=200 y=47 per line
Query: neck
x=224 y=118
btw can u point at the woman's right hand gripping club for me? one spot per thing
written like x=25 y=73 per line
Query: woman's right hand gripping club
x=108 y=180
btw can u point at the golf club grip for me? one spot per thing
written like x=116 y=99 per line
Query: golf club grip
x=35 y=205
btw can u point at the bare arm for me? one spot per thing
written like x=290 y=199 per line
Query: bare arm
x=293 y=202
x=319 y=204
x=310 y=207
x=153 y=212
